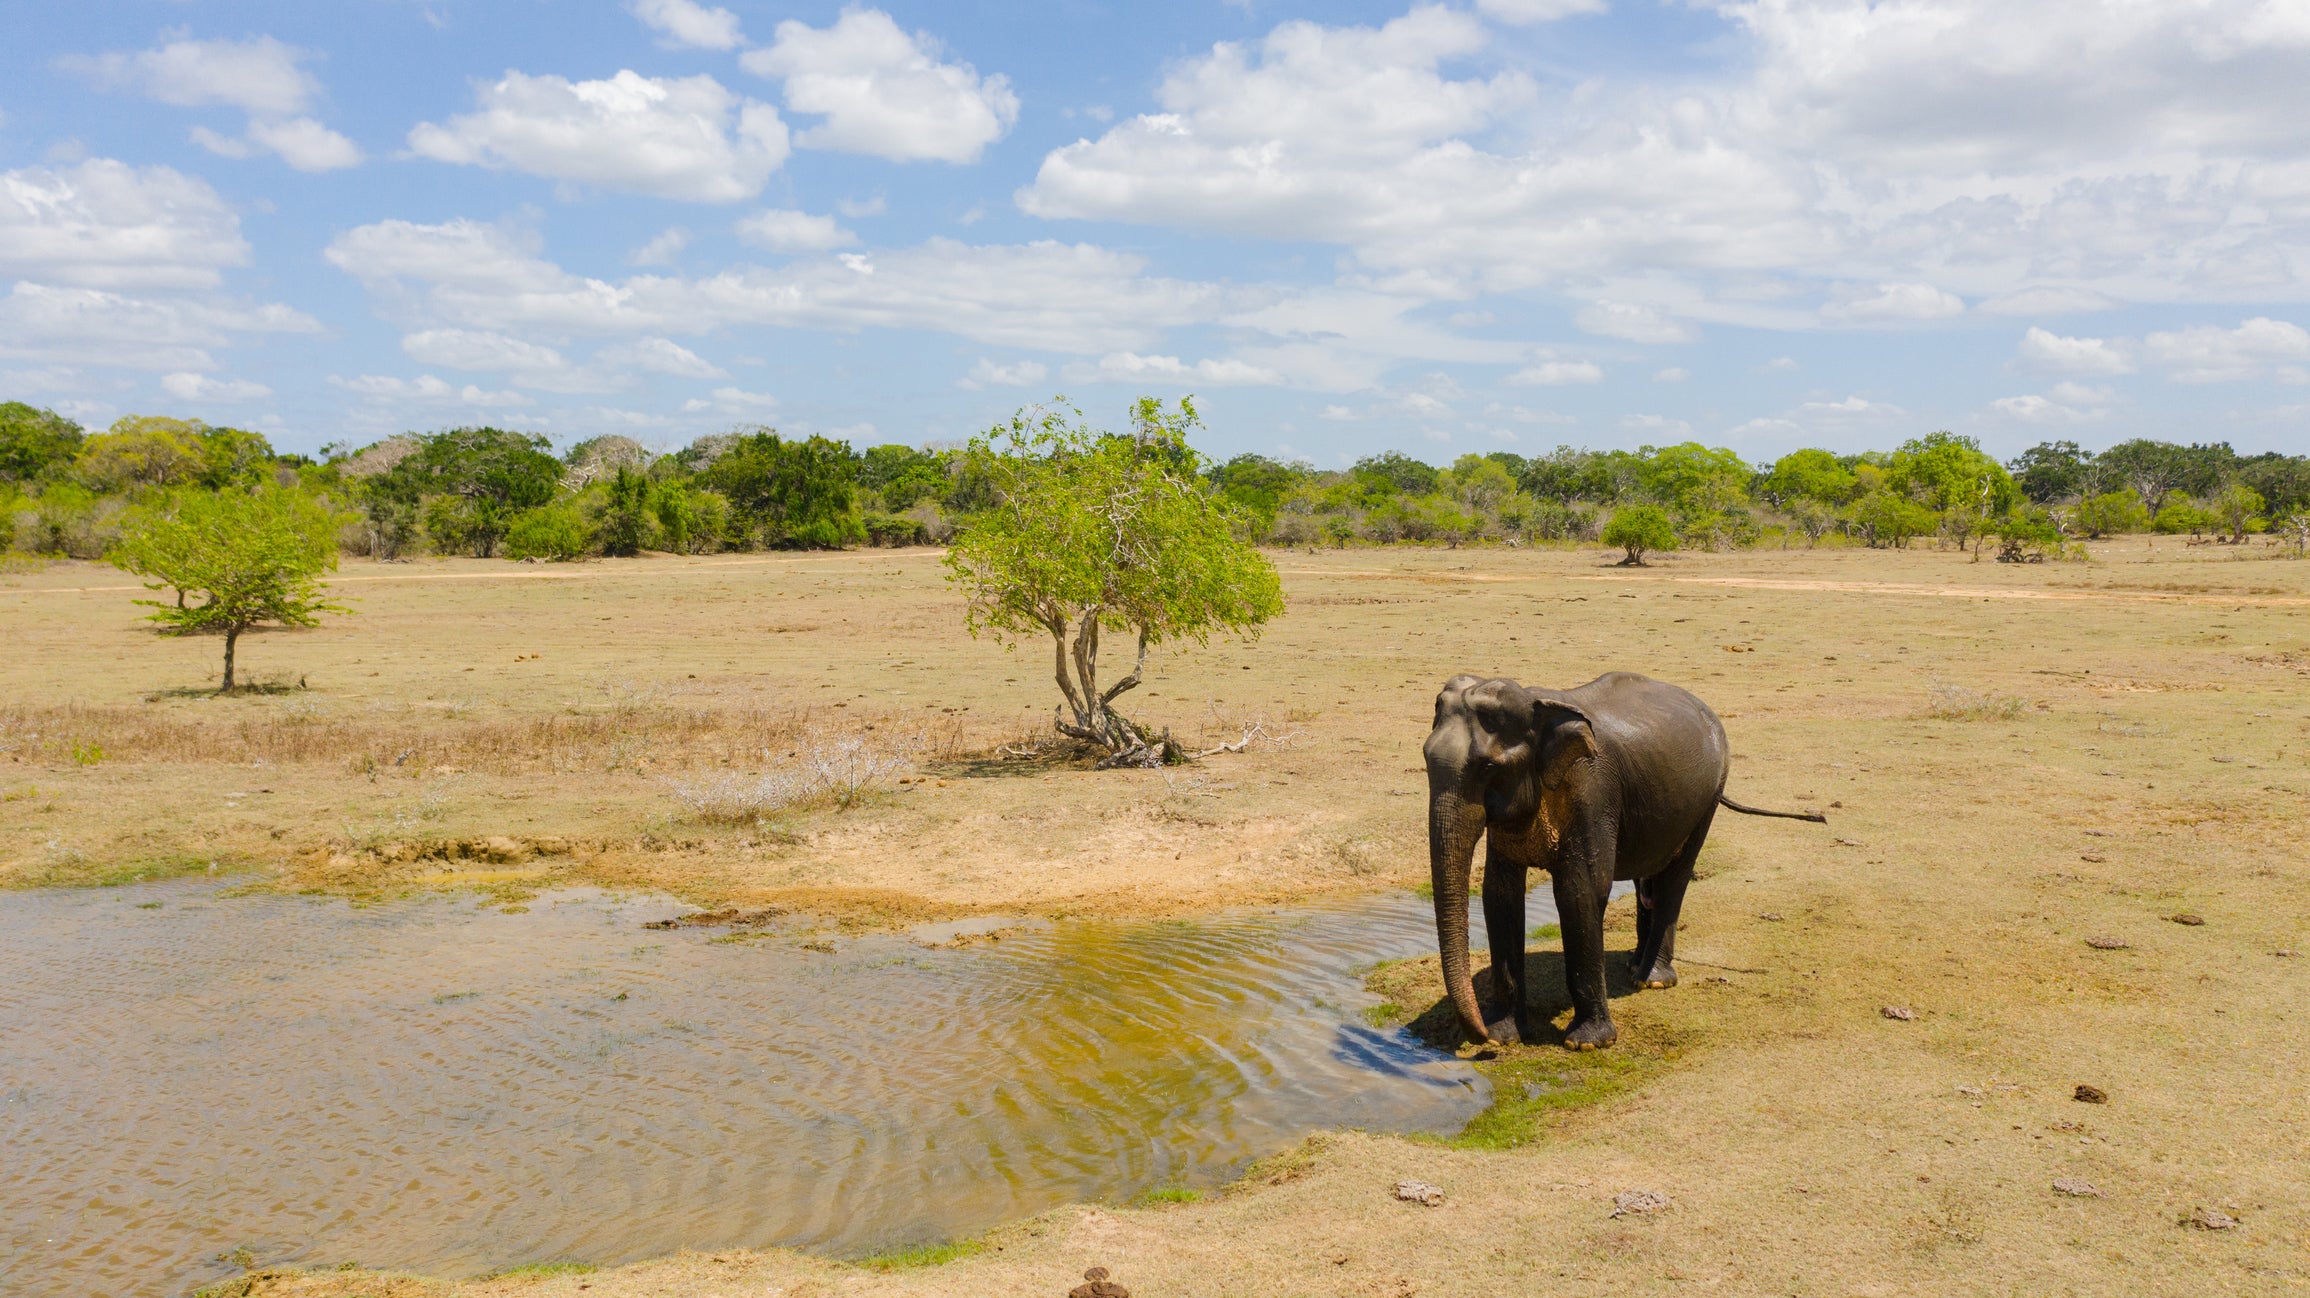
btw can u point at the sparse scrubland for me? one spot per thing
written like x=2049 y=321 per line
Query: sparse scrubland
x=2015 y=759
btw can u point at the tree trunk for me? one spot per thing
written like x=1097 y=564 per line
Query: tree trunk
x=1076 y=667
x=232 y=638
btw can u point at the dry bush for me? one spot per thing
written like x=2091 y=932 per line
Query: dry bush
x=824 y=769
x=1956 y=703
x=633 y=727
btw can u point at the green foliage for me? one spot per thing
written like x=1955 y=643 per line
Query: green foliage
x=2051 y=471
x=2109 y=513
x=1813 y=475
x=1639 y=529
x=1395 y=473
x=2182 y=514
x=625 y=516
x=1887 y=518
x=919 y=1256
x=1169 y=1194
x=1089 y=532
x=895 y=529
x=35 y=443
x=789 y=494
x=2238 y=508
x=901 y=476
x=555 y=531
x=238 y=558
x=475 y=481
x=2028 y=535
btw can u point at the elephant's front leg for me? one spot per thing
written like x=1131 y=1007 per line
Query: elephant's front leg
x=1582 y=887
x=1504 y=923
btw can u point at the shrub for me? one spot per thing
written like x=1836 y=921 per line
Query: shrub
x=2027 y=536
x=1639 y=529
x=623 y=518
x=547 y=532
x=2110 y=512
x=895 y=530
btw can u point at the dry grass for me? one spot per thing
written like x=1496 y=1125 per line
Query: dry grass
x=1807 y=1143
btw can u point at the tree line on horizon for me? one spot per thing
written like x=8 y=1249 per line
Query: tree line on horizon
x=490 y=492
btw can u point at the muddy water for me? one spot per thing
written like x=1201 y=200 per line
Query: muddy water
x=431 y=1086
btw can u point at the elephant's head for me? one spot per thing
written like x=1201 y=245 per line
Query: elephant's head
x=1496 y=752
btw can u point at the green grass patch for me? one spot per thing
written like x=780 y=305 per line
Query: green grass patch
x=542 y=1270
x=922 y=1255
x=79 y=872
x=1547 y=933
x=1386 y=1014
x=1162 y=1194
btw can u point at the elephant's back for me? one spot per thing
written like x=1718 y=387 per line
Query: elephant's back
x=1669 y=753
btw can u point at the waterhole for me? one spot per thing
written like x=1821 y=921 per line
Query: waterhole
x=430 y=1086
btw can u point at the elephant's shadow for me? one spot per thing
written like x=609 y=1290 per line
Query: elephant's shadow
x=1548 y=995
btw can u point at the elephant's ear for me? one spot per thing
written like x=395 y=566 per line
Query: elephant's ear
x=1565 y=736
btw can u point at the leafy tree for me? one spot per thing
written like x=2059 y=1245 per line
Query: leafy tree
x=1810 y=474
x=1091 y=532
x=2051 y=471
x=1255 y=483
x=1696 y=479
x=1887 y=518
x=2236 y=507
x=691 y=521
x=234 y=457
x=238 y=559
x=480 y=478
x=793 y=494
x=143 y=451
x=1482 y=482
x=2156 y=469
x=2282 y=480
x=901 y=475
x=1639 y=529
x=1812 y=517
x=2027 y=535
x=596 y=458
x=554 y=531
x=2110 y=512
x=2183 y=514
x=35 y=442
x=622 y=518
x=1395 y=473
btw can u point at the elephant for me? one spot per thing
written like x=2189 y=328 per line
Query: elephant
x=1615 y=779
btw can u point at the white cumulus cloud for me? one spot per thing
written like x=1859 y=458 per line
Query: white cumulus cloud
x=688 y=23
x=662 y=248
x=106 y=224
x=427 y=389
x=185 y=385
x=660 y=356
x=2210 y=354
x=260 y=75
x=42 y=322
x=883 y=92
x=1518 y=12
x=786 y=230
x=1637 y=324
x=1892 y=304
x=1170 y=369
x=674 y=137
x=1551 y=374
x=987 y=374
x=2042 y=349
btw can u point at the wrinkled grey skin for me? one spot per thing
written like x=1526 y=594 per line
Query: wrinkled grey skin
x=1617 y=779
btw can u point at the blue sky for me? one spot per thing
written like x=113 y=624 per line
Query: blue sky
x=1496 y=224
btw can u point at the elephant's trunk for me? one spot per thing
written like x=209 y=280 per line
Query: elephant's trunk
x=1454 y=824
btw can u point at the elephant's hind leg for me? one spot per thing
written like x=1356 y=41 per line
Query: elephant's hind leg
x=1660 y=900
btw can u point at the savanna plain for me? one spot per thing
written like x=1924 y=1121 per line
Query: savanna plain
x=2068 y=845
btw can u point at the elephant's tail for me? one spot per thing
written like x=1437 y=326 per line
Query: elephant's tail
x=1814 y=816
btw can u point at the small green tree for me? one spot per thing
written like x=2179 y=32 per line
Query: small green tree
x=553 y=531
x=2027 y=535
x=622 y=519
x=2111 y=512
x=2183 y=514
x=238 y=559
x=2237 y=507
x=1093 y=532
x=34 y=442
x=1639 y=529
